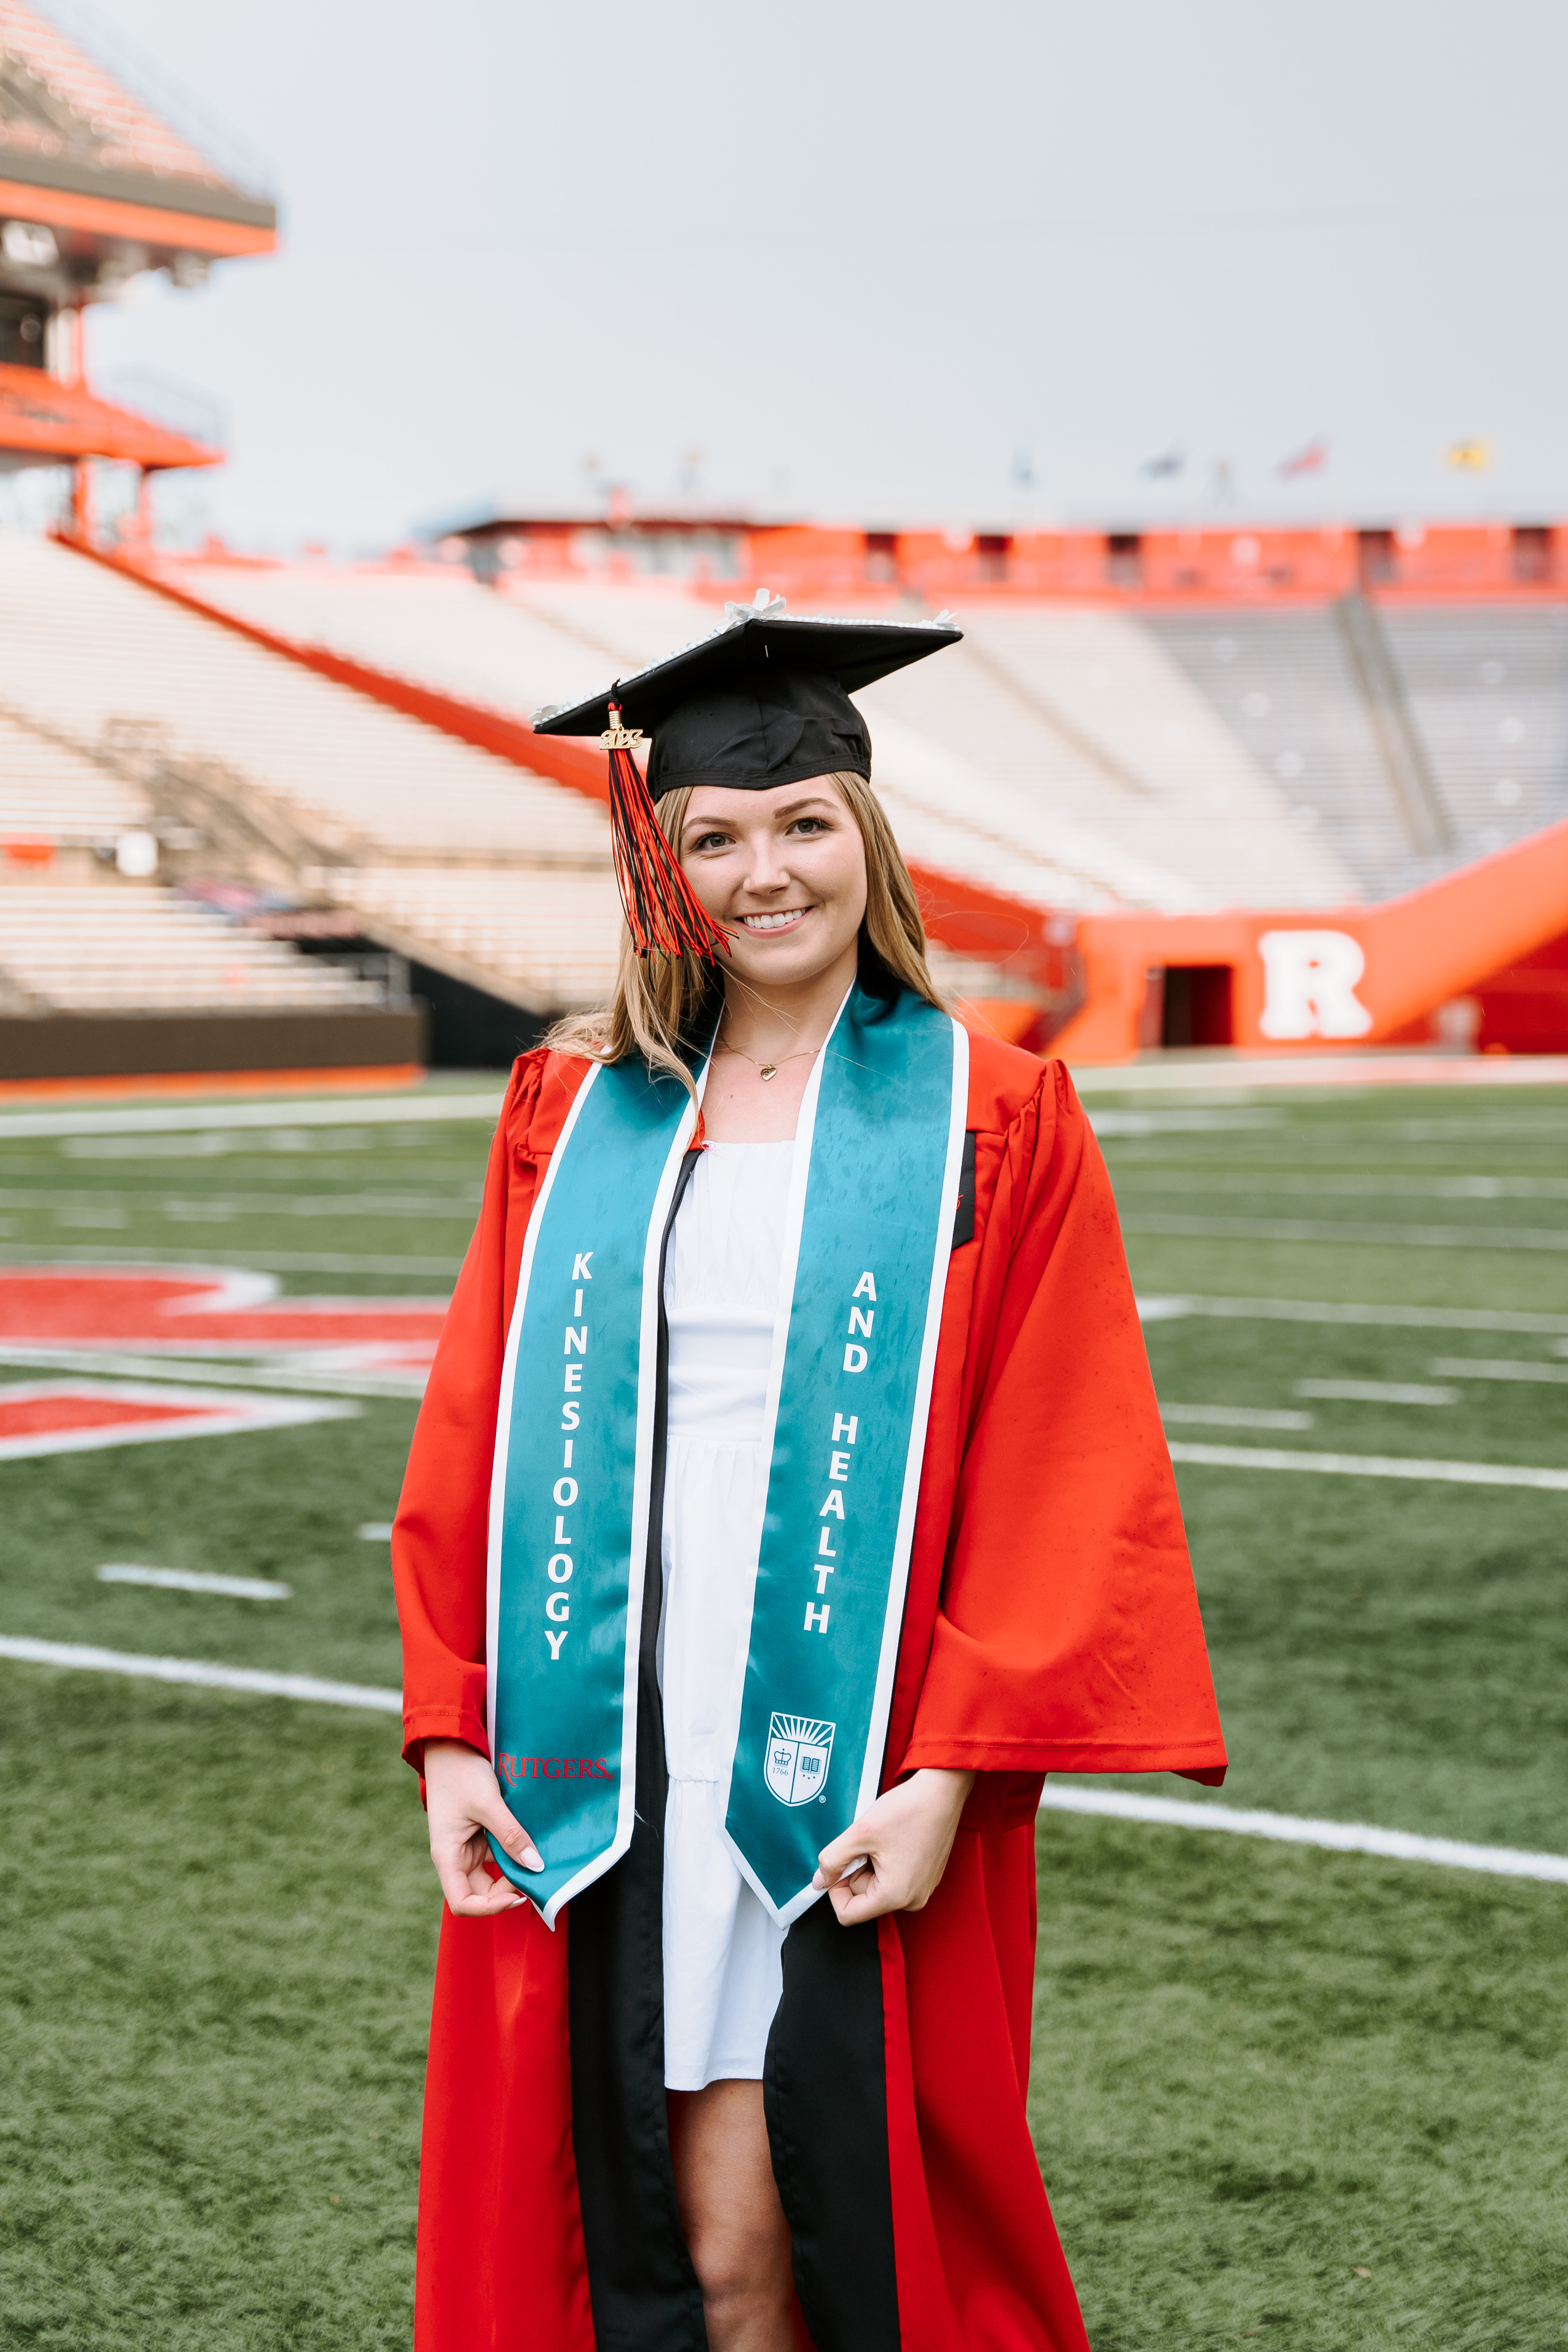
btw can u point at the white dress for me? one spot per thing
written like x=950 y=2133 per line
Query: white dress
x=722 y=1948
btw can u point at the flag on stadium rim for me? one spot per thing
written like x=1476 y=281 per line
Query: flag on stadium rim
x=1309 y=459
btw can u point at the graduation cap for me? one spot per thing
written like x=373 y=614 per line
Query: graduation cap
x=762 y=701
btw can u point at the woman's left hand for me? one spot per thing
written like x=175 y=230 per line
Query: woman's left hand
x=902 y=1843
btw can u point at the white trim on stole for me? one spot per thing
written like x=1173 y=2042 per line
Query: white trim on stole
x=903 y=1545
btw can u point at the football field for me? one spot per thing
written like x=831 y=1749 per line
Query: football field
x=1308 y=2097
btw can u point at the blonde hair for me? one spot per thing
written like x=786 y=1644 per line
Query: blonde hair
x=664 y=1006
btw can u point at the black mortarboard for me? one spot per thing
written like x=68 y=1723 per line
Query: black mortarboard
x=763 y=701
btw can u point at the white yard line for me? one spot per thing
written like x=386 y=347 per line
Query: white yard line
x=1303 y=1229
x=1236 y=1416
x=1371 y=1465
x=200 y=1671
x=1154 y=1308
x=1397 y=1184
x=192 y=1580
x=1377 y=1391
x=1339 y=1837
x=1492 y=1367
x=1060 y=1796
x=255 y=1261
x=183 y=1210
x=1232 y=1072
x=301 y=1378
x=345 y=1111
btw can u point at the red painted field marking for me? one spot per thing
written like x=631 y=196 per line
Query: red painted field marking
x=78 y=1416
x=223 y=1311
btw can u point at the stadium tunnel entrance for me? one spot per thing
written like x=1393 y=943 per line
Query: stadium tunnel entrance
x=1187 y=1004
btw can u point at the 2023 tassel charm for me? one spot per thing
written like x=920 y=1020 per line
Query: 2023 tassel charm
x=662 y=912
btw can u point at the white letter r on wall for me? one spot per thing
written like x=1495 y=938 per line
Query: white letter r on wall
x=1310 y=981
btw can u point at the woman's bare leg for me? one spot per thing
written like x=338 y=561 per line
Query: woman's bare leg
x=734 y=2224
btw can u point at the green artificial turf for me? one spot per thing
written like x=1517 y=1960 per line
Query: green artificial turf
x=219 y=1929
x=282 y=1504
x=1259 y=2068
x=1256 y=2067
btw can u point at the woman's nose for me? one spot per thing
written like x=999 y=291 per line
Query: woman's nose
x=766 y=869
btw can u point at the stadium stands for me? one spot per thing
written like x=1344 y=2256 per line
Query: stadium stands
x=1222 y=753
x=99 y=190
x=1057 y=754
x=117 y=707
x=108 y=948
x=79 y=111
x=1488 y=691
x=89 y=654
x=429 y=622
x=54 y=797
x=545 y=942
x=1281 y=684
x=1176 y=758
x=1156 y=761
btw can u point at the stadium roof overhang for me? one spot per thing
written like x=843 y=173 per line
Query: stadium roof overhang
x=166 y=214
x=536 y=521
x=46 y=422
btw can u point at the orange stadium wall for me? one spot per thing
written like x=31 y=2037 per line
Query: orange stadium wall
x=1485 y=559
x=1241 y=562
x=1248 y=563
x=1496 y=931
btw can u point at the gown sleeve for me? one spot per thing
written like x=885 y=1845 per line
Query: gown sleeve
x=1067 y=1636
x=439 y=1538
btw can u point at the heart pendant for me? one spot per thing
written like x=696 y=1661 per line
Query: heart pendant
x=766 y=1070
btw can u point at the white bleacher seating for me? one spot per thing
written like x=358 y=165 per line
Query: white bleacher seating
x=549 y=940
x=1488 y=689
x=111 y=947
x=431 y=623
x=50 y=794
x=1176 y=758
x=85 y=651
x=1282 y=682
x=1059 y=754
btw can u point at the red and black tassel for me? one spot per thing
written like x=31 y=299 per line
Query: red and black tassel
x=662 y=911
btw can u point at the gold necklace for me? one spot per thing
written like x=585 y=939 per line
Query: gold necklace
x=766 y=1070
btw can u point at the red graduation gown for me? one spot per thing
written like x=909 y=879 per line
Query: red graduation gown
x=1051 y=1625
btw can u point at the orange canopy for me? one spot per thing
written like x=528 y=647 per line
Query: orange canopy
x=53 y=423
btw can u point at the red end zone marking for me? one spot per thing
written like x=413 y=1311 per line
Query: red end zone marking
x=226 y=1312
x=63 y=1409
x=76 y=1416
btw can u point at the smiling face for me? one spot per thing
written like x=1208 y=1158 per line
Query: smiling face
x=785 y=872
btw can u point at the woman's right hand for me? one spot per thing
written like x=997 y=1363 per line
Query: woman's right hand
x=463 y=1799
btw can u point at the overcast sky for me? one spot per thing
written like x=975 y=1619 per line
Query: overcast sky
x=973 y=263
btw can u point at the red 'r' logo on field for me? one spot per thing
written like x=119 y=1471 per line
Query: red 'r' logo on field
x=166 y=1310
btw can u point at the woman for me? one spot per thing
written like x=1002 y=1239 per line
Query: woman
x=788 y=1498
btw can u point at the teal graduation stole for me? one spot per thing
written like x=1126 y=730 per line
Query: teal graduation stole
x=878 y=1155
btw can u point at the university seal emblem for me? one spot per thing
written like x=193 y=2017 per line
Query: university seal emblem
x=797 y=1754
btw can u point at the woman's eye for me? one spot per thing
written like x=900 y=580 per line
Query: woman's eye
x=809 y=825
x=711 y=841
